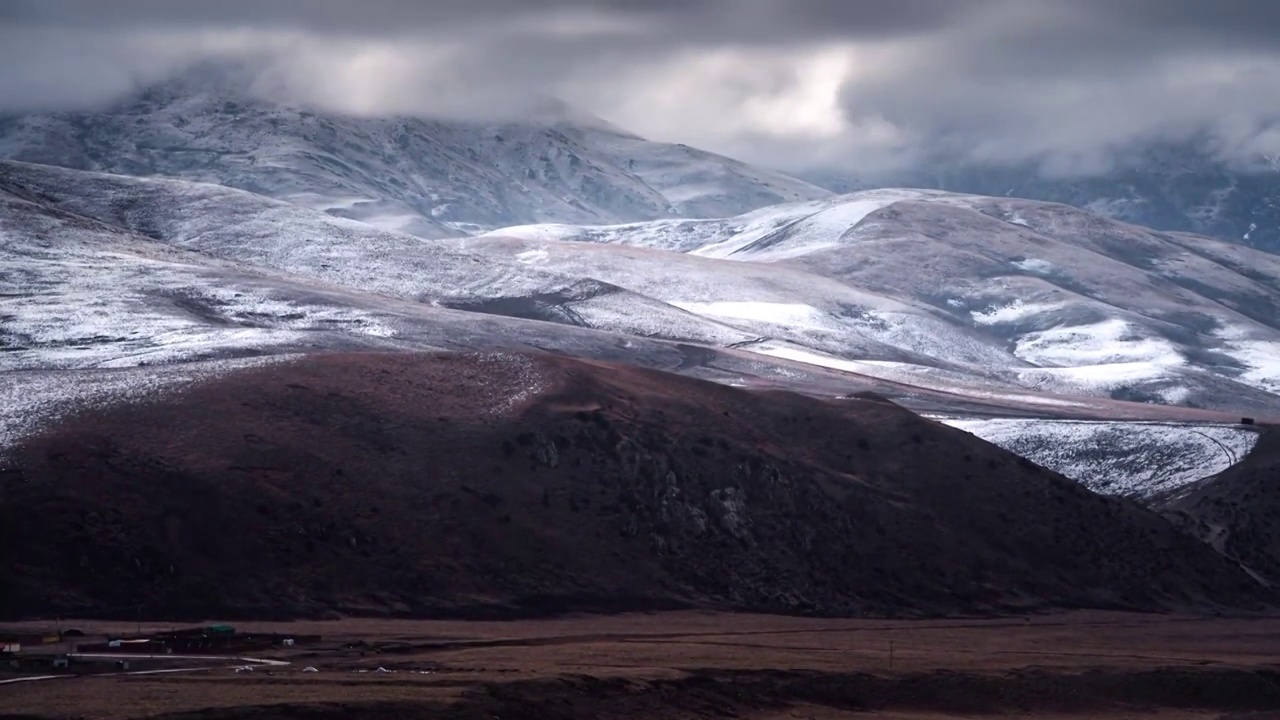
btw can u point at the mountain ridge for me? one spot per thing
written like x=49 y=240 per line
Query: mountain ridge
x=505 y=484
x=429 y=177
x=1169 y=186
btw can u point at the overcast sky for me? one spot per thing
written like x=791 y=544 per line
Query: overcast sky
x=861 y=84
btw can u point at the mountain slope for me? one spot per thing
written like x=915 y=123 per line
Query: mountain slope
x=256 y=235
x=502 y=483
x=225 y=274
x=1167 y=186
x=982 y=292
x=937 y=292
x=1131 y=459
x=432 y=178
x=1237 y=510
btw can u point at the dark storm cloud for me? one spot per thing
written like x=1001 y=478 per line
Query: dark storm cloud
x=870 y=83
x=1074 y=86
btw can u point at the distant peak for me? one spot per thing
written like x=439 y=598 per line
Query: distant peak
x=554 y=111
x=241 y=78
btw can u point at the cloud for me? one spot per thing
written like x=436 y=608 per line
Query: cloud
x=1076 y=88
x=867 y=85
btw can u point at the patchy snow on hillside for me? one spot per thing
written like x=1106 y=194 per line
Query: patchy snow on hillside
x=1063 y=304
x=1013 y=312
x=874 y=368
x=1132 y=459
x=1035 y=265
x=545 y=231
x=630 y=314
x=914 y=287
x=1110 y=342
x=922 y=376
x=1261 y=358
x=32 y=399
x=795 y=233
x=935 y=341
x=767 y=312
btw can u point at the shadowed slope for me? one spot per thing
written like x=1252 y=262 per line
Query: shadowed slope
x=1238 y=510
x=503 y=484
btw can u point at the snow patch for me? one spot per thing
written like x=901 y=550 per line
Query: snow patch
x=861 y=367
x=1035 y=265
x=1112 y=342
x=1012 y=313
x=1136 y=459
x=31 y=400
x=805 y=233
x=523 y=380
x=770 y=312
x=1260 y=357
x=533 y=257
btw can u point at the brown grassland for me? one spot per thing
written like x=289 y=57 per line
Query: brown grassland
x=711 y=665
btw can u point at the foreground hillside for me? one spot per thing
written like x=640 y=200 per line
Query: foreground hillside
x=498 y=484
x=1238 y=510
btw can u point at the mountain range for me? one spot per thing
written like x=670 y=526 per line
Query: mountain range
x=1178 y=186
x=928 y=290
x=196 y=244
x=429 y=177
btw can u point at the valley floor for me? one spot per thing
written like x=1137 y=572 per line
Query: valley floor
x=704 y=665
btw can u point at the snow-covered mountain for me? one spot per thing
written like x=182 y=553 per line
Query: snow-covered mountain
x=106 y=270
x=946 y=303
x=958 y=291
x=906 y=289
x=432 y=178
x=1168 y=186
x=200 y=224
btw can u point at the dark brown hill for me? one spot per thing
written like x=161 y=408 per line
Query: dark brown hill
x=1238 y=510
x=509 y=484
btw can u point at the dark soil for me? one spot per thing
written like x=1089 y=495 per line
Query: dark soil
x=501 y=486
x=720 y=694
